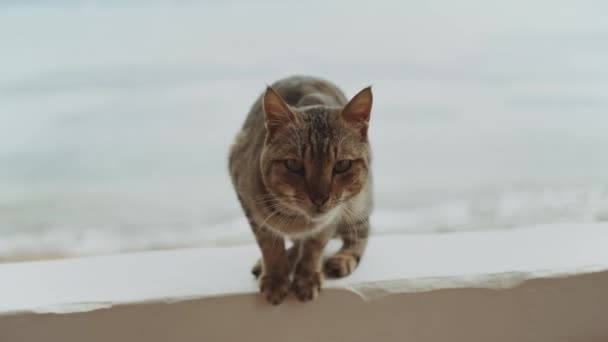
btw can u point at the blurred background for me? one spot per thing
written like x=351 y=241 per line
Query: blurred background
x=116 y=116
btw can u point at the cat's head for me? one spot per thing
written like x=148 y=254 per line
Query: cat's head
x=315 y=158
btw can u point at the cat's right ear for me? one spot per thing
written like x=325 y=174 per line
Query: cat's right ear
x=357 y=111
x=276 y=112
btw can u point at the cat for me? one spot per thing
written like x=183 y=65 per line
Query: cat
x=301 y=170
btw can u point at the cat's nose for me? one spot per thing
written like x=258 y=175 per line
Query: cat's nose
x=319 y=200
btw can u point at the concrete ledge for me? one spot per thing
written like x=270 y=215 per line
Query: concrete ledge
x=546 y=283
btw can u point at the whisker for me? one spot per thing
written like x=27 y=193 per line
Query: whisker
x=350 y=221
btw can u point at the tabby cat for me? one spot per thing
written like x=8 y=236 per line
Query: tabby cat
x=301 y=169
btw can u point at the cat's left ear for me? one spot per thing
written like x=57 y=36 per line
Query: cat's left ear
x=276 y=111
x=358 y=110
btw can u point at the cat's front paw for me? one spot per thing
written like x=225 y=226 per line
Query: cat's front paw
x=340 y=265
x=274 y=288
x=256 y=270
x=307 y=287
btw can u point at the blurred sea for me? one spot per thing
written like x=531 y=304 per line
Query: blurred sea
x=116 y=116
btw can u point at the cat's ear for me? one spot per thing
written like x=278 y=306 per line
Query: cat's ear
x=276 y=112
x=357 y=111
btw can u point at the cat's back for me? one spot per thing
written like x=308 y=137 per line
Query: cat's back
x=298 y=91
x=295 y=89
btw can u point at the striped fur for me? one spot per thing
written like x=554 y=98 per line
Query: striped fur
x=309 y=121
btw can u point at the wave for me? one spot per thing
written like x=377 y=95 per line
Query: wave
x=504 y=211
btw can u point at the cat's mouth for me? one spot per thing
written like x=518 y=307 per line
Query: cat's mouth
x=316 y=213
x=312 y=212
x=322 y=215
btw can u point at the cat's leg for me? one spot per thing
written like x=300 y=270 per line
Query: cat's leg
x=308 y=274
x=274 y=280
x=293 y=253
x=354 y=240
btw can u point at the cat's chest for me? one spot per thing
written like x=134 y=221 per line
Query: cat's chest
x=298 y=228
x=328 y=221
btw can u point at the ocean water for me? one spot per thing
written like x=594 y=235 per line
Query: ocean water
x=116 y=116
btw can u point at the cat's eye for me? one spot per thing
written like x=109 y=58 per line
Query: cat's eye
x=342 y=166
x=294 y=165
